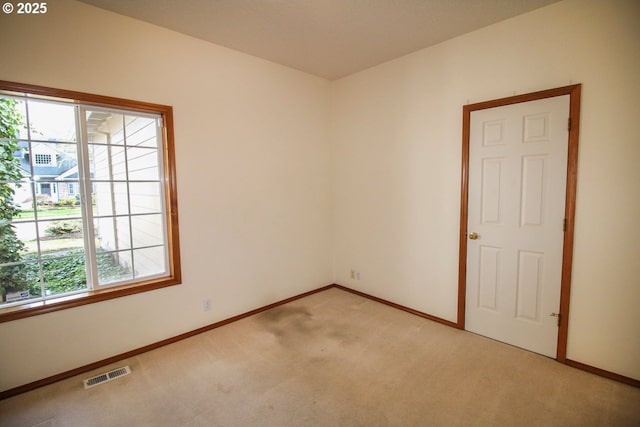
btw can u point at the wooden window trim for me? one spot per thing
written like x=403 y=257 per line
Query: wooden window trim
x=173 y=242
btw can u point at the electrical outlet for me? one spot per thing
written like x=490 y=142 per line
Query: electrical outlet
x=206 y=304
x=357 y=275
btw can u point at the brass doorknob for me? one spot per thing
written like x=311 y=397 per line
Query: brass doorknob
x=473 y=235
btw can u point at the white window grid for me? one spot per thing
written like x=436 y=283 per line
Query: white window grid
x=84 y=187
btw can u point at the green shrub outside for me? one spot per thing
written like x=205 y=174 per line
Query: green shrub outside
x=68 y=274
x=60 y=228
x=71 y=202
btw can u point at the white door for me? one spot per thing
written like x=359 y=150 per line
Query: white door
x=517 y=186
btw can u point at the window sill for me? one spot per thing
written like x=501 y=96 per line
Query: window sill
x=42 y=307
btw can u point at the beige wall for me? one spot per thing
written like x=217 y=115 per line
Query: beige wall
x=253 y=189
x=262 y=192
x=397 y=143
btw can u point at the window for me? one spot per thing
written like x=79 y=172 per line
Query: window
x=43 y=159
x=110 y=228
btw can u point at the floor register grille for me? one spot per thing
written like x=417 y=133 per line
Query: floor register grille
x=106 y=377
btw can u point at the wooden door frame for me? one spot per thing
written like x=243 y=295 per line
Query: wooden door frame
x=574 y=92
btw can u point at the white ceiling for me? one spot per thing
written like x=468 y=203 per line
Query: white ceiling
x=328 y=38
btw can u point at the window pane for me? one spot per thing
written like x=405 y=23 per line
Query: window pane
x=20 y=282
x=103 y=203
x=141 y=131
x=51 y=165
x=22 y=199
x=147 y=230
x=98 y=124
x=68 y=193
x=145 y=197
x=112 y=233
x=149 y=261
x=25 y=233
x=20 y=108
x=114 y=128
x=60 y=236
x=12 y=247
x=51 y=122
x=143 y=164
x=105 y=127
x=51 y=160
x=65 y=274
x=107 y=163
x=16 y=199
x=110 y=198
x=114 y=267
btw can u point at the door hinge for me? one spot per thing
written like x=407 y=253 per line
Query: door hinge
x=564 y=225
x=569 y=124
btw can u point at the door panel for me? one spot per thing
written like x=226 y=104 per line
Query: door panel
x=490 y=197
x=516 y=205
x=530 y=275
x=488 y=287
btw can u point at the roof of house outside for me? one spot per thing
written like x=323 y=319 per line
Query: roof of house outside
x=64 y=164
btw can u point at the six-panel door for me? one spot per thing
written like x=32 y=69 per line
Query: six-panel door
x=517 y=186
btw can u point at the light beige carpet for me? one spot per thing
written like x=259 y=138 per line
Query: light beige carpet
x=333 y=359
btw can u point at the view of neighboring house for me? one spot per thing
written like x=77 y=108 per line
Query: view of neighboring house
x=55 y=173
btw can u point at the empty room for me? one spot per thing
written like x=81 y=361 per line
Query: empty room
x=319 y=213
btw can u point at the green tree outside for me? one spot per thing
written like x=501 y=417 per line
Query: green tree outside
x=12 y=278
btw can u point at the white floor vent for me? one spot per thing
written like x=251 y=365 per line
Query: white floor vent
x=106 y=377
